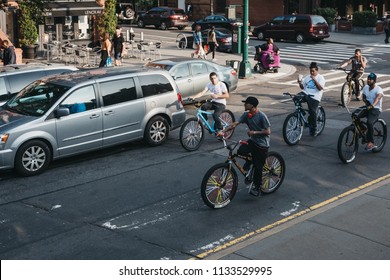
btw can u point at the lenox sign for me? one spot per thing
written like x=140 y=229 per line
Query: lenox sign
x=93 y=12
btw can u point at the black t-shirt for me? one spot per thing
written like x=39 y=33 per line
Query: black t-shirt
x=118 y=43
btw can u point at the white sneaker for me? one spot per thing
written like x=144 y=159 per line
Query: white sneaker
x=214 y=59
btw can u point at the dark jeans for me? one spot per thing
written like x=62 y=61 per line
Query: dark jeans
x=387 y=31
x=259 y=155
x=371 y=115
x=312 y=105
x=218 y=108
x=211 y=49
x=104 y=58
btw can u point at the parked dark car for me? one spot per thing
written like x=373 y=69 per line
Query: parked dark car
x=217 y=21
x=293 y=27
x=13 y=78
x=163 y=18
x=223 y=35
x=192 y=75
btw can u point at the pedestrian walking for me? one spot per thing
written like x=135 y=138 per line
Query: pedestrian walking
x=386 y=26
x=197 y=34
x=119 y=46
x=212 y=42
x=9 y=56
x=106 y=49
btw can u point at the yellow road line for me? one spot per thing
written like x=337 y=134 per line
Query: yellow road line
x=287 y=219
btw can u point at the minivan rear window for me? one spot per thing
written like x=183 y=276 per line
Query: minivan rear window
x=317 y=20
x=154 y=84
x=178 y=12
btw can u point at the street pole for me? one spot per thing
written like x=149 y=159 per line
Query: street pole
x=245 y=66
x=211 y=7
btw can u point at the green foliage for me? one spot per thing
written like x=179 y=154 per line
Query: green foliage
x=108 y=20
x=28 y=29
x=364 y=19
x=328 y=13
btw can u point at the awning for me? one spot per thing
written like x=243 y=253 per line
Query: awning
x=60 y=9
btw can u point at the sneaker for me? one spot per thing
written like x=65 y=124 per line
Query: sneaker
x=255 y=191
x=370 y=147
x=214 y=59
x=313 y=132
x=247 y=165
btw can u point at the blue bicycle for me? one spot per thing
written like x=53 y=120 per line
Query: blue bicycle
x=192 y=130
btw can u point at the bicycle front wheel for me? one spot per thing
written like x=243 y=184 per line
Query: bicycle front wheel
x=191 y=134
x=219 y=185
x=346 y=94
x=321 y=119
x=227 y=118
x=274 y=170
x=347 y=145
x=380 y=135
x=292 y=129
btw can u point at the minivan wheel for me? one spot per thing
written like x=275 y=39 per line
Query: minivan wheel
x=156 y=131
x=32 y=158
x=260 y=36
x=300 y=38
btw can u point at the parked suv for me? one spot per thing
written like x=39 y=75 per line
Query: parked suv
x=164 y=18
x=65 y=115
x=15 y=77
x=293 y=27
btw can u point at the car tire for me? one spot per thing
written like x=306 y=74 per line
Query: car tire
x=163 y=25
x=156 y=131
x=32 y=158
x=140 y=23
x=260 y=36
x=180 y=27
x=129 y=13
x=300 y=38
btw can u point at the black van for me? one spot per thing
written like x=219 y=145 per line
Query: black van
x=299 y=27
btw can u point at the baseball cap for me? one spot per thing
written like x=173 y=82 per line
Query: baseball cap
x=251 y=100
x=372 y=76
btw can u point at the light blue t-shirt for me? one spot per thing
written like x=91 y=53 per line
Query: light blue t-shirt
x=309 y=87
x=258 y=122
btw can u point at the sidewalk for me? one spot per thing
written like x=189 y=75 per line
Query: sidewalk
x=352 y=226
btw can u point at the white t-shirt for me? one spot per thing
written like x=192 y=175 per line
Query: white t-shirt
x=219 y=89
x=372 y=94
x=309 y=87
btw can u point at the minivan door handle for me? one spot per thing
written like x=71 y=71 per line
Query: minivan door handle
x=108 y=113
x=94 y=116
x=189 y=80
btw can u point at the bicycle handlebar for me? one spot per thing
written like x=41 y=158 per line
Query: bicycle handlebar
x=196 y=102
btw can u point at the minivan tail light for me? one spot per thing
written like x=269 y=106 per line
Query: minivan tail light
x=180 y=98
x=234 y=72
x=311 y=29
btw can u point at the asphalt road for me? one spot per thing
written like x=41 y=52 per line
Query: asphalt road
x=137 y=202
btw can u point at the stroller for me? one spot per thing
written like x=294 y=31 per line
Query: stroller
x=267 y=60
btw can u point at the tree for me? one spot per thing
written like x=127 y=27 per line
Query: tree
x=108 y=20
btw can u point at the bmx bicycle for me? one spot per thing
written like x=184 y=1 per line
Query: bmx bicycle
x=192 y=130
x=220 y=183
x=350 y=136
x=349 y=89
x=295 y=122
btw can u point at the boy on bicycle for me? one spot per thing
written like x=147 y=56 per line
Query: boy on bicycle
x=372 y=95
x=258 y=144
x=359 y=63
x=313 y=88
x=219 y=94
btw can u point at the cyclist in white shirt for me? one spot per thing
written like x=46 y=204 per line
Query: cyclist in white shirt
x=313 y=86
x=219 y=94
x=372 y=95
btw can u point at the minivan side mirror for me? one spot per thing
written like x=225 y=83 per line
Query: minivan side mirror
x=61 y=112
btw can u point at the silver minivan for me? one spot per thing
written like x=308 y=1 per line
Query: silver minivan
x=69 y=114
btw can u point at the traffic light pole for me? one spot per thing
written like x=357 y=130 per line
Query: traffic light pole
x=245 y=66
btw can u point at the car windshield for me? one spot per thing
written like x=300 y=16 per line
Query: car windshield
x=159 y=65
x=318 y=20
x=36 y=99
x=178 y=12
